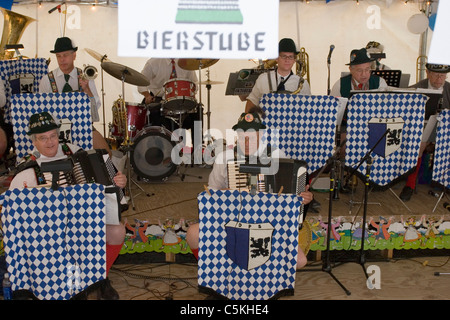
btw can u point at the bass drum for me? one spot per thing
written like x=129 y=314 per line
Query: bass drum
x=151 y=153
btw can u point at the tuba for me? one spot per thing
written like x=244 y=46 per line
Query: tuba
x=302 y=68
x=13 y=27
x=420 y=68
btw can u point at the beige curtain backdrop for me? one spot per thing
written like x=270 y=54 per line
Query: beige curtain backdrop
x=314 y=26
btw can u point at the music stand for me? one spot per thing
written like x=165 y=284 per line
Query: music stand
x=441 y=166
x=296 y=120
x=392 y=77
x=334 y=162
x=391 y=126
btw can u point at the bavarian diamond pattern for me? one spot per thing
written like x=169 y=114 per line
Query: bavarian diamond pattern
x=218 y=272
x=361 y=109
x=303 y=127
x=441 y=165
x=8 y=68
x=74 y=106
x=52 y=248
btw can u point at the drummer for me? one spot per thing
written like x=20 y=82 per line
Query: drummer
x=159 y=71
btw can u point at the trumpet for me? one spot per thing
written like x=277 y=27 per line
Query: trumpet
x=89 y=72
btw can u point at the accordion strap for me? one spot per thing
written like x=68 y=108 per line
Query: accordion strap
x=37 y=169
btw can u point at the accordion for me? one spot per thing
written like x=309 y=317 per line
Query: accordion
x=290 y=178
x=92 y=166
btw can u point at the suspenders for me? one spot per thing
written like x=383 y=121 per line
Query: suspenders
x=51 y=77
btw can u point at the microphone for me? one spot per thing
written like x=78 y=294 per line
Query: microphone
x=57 y=7
x=330 y=52
x=447 y=206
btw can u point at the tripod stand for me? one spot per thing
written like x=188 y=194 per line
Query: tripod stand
x=128 y=75
x=369 y=161
x=326 y=264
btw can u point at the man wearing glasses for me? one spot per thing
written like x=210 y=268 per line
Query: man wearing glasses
x=44 y=133
x=280 y=80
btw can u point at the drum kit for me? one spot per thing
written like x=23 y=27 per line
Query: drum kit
x=148 y=147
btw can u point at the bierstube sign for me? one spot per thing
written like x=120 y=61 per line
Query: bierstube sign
x=234 y=29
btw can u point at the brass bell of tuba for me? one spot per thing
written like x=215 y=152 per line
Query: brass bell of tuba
x=13 y=27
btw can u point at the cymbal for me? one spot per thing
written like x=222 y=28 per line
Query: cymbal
x=96 y=55
x=194 y=64
x=209 y=82
x=129 y=75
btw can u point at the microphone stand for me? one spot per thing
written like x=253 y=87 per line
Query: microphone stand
x=326 y=264
x=328 y=80
x=368 y=159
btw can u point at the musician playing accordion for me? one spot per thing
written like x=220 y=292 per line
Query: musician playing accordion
x=248 y=145
x=44 y=134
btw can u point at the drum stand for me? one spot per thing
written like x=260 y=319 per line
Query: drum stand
x=184 y=174
x=127 y=147
x=208 y=112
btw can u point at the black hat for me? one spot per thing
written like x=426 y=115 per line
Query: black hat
x=249 y=121
x=42 y=122
x=287 y=45
x=63 y=44
x=359 y=56
x=439 y=68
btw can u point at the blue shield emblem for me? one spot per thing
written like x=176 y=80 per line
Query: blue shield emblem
x=391 y=141
x=249 y=245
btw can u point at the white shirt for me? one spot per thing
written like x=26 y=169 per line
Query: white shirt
x=2 y=94
x=158 y=71
x=218 y=178
x=262 y=86
x=45 y=87
x=27 y=178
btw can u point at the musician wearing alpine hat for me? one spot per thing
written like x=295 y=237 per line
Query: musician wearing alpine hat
x=360 y=77
x=44 y=134
x=436 y=80
x=280 y=80
x=68 y=78
x=249 y=131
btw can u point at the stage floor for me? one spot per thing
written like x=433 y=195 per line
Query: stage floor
x=409 y=274
x=139 y=276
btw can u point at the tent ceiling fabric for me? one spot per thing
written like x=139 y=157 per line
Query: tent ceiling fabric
x=80 y=2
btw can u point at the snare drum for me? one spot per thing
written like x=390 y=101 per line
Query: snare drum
x=136 y=120
x=179 y=96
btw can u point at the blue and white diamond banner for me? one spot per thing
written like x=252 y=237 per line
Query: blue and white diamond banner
x=304 y=127
x=248 y=244
x=399 y=151
x=20 y=77
x=441 y=165
x=55 y=241
x=73 y=106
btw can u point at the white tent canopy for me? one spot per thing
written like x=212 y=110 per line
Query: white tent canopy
x=315 y=26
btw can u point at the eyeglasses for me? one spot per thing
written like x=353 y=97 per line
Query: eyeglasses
x=437 y=75
x=284 y=57
x=47 y=138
